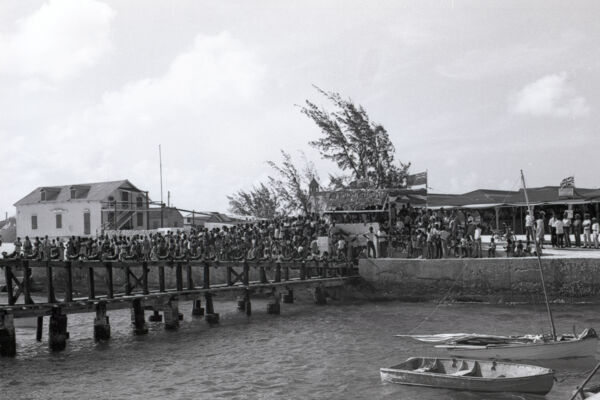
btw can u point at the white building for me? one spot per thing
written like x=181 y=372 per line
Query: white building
x=81 y=210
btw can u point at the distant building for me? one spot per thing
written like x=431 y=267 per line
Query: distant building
x=170 y=218
x=82 y=209
x=211 y=219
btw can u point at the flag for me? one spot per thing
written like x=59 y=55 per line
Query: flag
x=568 y=182
x=417 y=179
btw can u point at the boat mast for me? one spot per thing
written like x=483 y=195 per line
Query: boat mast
x=537 y=252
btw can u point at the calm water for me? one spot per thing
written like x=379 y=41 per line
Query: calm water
x=308 y=352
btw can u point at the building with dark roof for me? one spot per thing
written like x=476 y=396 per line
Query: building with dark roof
x=82 y=209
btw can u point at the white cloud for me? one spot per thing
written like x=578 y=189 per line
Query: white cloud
x=203 y=110
x=56 y=41
x=551 y=95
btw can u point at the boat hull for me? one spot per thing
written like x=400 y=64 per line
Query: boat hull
x=539 y=382
x=530 y=351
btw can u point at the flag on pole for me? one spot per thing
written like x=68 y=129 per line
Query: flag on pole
x=568 y=182
x=417 y=179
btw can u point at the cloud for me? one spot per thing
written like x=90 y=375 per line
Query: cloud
x=202 y=109
x=551 y=95
x=56 y=41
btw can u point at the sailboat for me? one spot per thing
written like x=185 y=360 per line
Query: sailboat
x=528 y=347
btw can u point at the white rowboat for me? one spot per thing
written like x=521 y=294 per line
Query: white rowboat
x=471 y=375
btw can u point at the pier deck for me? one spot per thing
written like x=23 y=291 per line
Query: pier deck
x=81 y=286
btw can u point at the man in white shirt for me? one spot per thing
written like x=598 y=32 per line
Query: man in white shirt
x=529 y=227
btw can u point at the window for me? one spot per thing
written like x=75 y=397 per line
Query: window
x=154 y=224
x=140 y=219
x=139 y=202
x=58 y=221
x=124 y=199
x=86 y=223
x=73 y=193
x=34 y=222
x=43 y=195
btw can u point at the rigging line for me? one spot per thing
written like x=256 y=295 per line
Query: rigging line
x=442 y=301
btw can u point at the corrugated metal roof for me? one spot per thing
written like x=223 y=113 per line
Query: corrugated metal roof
x=484 y=198
x=98 y=191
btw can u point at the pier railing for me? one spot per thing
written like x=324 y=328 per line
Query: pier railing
x=78 y=286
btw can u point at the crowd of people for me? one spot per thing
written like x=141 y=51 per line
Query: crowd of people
x=404 y=232
x=293 y=237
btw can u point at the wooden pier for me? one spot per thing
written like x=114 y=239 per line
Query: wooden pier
x=100 y=286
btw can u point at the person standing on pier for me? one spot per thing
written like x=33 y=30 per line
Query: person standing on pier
x=529 y=227
x=540 y=230
x=587 y=228
x=567 y=229
x=560 y=233
x=552 y=225
x=595 y=232
x=577 y=230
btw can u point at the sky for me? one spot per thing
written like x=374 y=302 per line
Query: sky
x=471 y=91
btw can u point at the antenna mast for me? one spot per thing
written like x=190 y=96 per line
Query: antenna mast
x=537 y=252
x=160 y=162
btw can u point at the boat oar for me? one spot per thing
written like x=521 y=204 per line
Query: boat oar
x=580 y=388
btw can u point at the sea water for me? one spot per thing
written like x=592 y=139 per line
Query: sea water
x=307 y=352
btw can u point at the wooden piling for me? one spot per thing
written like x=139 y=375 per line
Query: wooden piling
x=278 y=272
x=178 y=278
x=9 y=285
x=57 y=330
x=145 y=288
x=206 y=280
x=197 y=310
x=91 y=285
x=171 y=313
x=109 y=280
x=229 y=277
x=161 y=278
x=101 y=323
x=69 y=283
x=40 y=328
x=155 y=317
x=8 y=341
x=263 y=275
x=127 y=280
x=320 y=296
x=288 y=298
x=137 y=317
x=190 y=278
x=273 y=305
x=247 y=303
x=49 y=283
x=211 y=317
x=27 y=282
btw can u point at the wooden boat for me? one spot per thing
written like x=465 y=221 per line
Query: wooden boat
x=471 y=375
x=523 y=347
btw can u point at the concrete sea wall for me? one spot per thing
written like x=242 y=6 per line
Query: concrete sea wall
x=500 y=280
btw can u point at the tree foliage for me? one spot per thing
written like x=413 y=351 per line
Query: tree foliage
x=358 y=146
x=291 y=185
x=261 y=202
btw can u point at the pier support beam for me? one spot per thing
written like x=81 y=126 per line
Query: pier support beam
x=57 y=330
x=8 y=342
x=288 y=298
x=320 y=296
x=273 y=305
x=244 y=303
x=40 y=328
x=101 y=323
x=171 y=314
x=137 y=317
x=211 y=317
x=155 y=317
x=197 y=309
